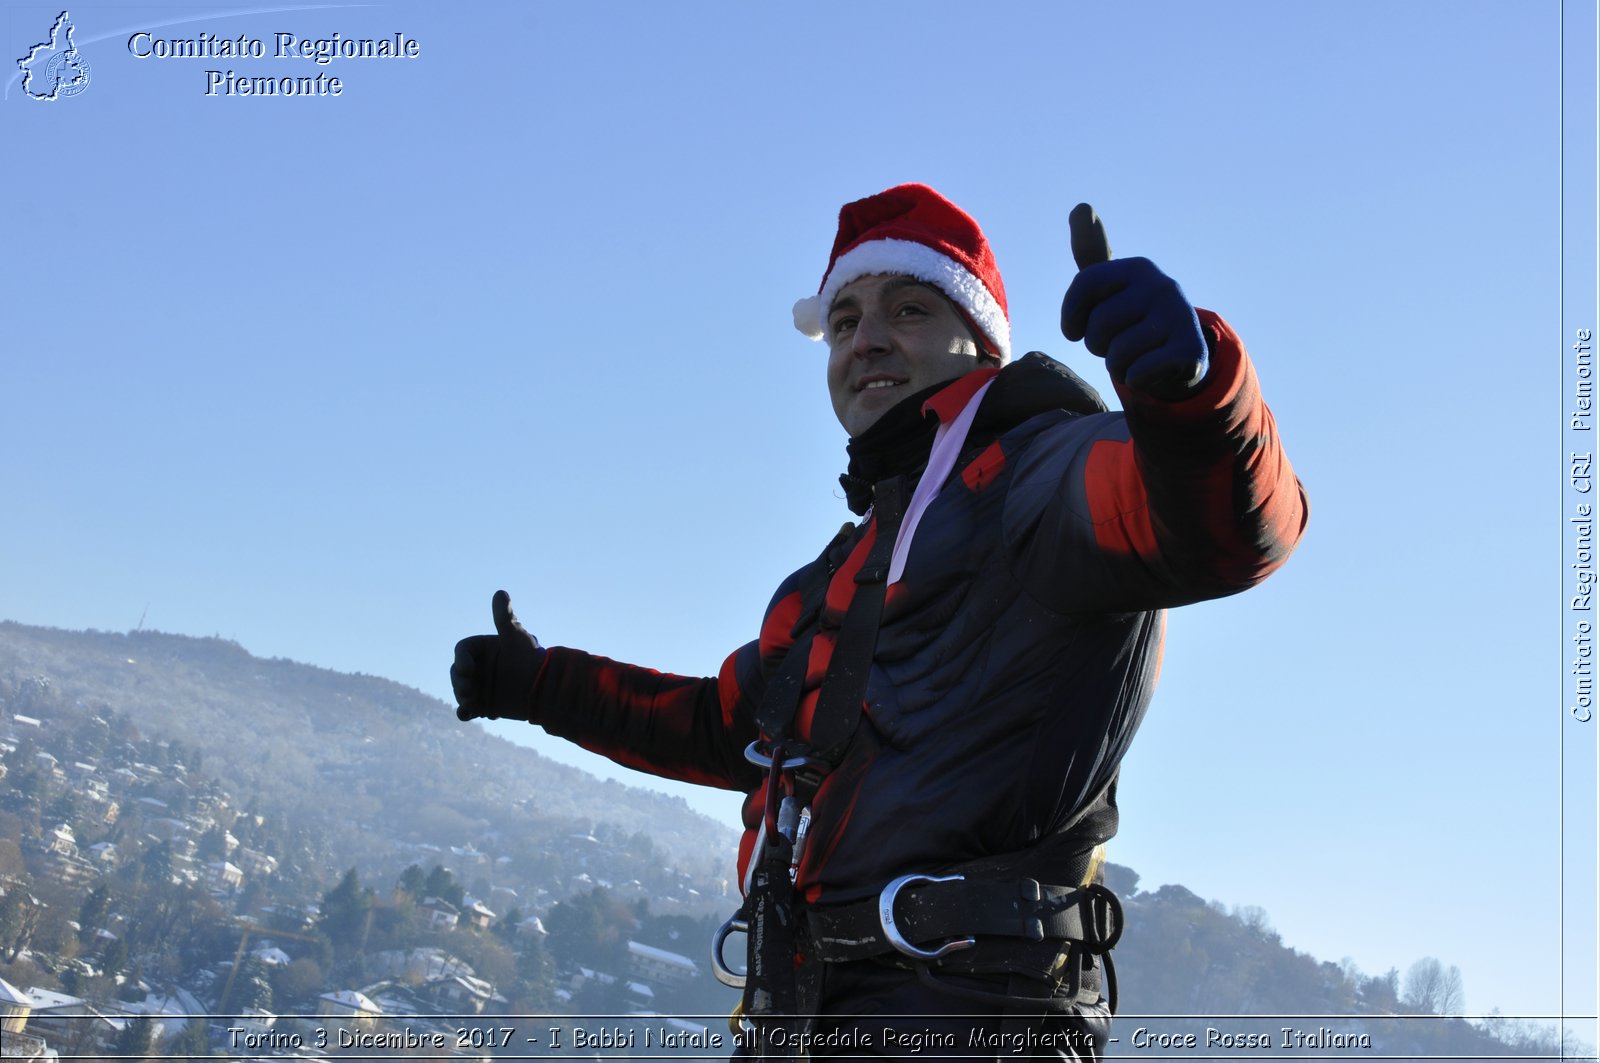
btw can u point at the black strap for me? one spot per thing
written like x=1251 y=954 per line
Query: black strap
x=769 y=987
x=1020 y=909
x=781 y=697
x=844 y=690
x=772 y=987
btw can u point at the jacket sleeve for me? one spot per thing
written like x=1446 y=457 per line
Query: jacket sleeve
x=679 y=727
x=1165 y=504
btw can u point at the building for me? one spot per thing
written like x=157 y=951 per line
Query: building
x=478 y=915
x=15 y=1006
x=349 y=1004
x=441 y=914
x=459 y=994
x=222 y=875
x=659 y=966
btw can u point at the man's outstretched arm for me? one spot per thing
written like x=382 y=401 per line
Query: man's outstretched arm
x=680 y=727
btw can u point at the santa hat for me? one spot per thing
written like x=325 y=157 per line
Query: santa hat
x=913 y=230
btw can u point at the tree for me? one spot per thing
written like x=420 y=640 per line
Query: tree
x=11 y=863
x=1432 y=989
x=589 y=929
x=506 y=928
x=115 y=960
x=1381 y=992
x=190 y=1043
x=251 y=989
x=135 y=1039
x=345 y=909
x=441 y=883
x=158 y=863
x=94 y=909
x=533 y=990
x=20 y=915
x=296 y=983
x=213 y=845
x=412 y=882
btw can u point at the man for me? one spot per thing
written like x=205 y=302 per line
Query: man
x=931 y=720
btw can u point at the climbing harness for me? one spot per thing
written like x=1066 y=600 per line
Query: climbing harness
x=1047 y=944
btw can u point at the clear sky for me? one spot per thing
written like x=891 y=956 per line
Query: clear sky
x=321 y=373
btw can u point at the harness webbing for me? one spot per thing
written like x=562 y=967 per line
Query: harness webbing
x=771 y=988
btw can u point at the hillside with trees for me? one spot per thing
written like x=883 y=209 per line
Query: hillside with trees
x=187 y=829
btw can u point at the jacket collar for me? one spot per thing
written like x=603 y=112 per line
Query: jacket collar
x=898 y=442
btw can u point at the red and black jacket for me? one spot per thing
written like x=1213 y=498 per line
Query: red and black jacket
x=1018 y=652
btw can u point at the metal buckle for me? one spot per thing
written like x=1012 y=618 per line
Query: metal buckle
x=1105 y=919
x=886 y=901
x=753 y=754
x=719 y=966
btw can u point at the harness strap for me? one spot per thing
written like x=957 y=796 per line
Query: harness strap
x=1023 y=910
x=775 y=994
x=844 y=689
x=781 y=697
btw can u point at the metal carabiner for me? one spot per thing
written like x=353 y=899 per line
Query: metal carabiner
x=886 y=901
x=719 y=966
x=753 y=754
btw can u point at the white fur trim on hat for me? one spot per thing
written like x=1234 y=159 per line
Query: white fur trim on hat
x=808 y=316
x=913 y=260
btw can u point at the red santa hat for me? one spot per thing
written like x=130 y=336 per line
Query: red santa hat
x=914 y=231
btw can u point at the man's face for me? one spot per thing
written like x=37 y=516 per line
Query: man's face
x=890 y=336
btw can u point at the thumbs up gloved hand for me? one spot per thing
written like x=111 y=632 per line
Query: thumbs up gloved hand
x=1134 y=316
x=493 y=674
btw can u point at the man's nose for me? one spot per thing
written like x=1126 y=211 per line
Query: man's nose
x=871 y=336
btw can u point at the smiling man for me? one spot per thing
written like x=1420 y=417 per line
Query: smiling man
x=892 y=336
x=930 y=721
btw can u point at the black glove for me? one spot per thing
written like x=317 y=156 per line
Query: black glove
x=1134 y=316
x=493 y=674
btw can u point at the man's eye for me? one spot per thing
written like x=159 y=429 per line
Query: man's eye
x=843 y=324
x=910 y=310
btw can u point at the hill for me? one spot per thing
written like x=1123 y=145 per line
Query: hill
x=366 y=766
x=159 y=792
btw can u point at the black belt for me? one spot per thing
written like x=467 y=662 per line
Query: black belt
x=1021 y=927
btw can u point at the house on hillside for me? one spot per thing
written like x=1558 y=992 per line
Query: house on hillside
x=470 y=857
x=659 y=966
x=271 y=956
x=222 y=875
x=255 y=863
x=22 y=1047
x=477 y=915
x=67 y=1019
x=49 y=765
x=15 y=1006
x=351 y=1005
x=418 y=965
x=458 y=994
x=72 y=871
x=61 y=841
x=110 y=811
x=254 y=1022
x=168 y=1012
x=441 y=914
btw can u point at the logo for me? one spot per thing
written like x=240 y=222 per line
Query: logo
x=55 y=68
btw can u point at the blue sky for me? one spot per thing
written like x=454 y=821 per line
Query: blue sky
x=319 y=374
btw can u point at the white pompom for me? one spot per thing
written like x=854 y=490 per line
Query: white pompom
x=808 y=316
